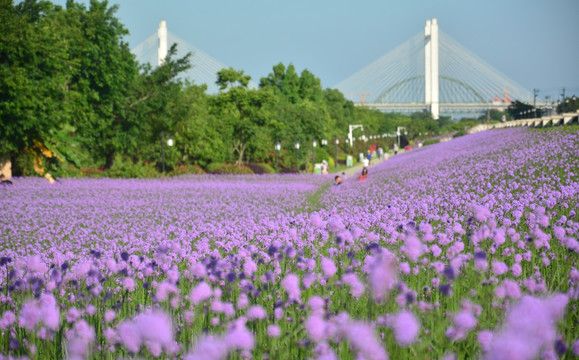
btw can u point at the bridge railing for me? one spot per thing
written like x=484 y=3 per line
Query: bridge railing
x=553 y=120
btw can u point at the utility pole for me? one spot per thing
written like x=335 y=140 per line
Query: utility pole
x=535 y=93
x=563 y=99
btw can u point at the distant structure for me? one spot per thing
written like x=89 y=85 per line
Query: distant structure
x=204 y=68
x=162 y=49
x=432 y=72
x=431 y=67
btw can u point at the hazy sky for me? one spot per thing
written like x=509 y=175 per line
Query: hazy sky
x=534 y=42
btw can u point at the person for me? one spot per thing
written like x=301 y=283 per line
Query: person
x=369 y=157
x=395 y=149
x=324 y=167
x=337 y=180
x=364 y=174
x=4 y=181
x=380 y=153
x=365 y=161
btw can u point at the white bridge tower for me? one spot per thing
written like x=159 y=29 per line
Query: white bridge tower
x=431 y=90
x=162 y=36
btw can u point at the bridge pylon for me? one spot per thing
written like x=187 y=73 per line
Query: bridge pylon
x=431 y=89
x=162 y=36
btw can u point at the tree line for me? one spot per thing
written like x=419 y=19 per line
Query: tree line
x=73 y=96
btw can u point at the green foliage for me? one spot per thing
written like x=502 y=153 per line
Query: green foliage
x=261 y=168
x=520 y=110
x=186 y=169
x=461 y=126
x=70 y=88
x=570 y=104
x=126 y=168
x=430 y=142
x=493 y=115
x=224 y=168
x=228 y=78
x=460 y=133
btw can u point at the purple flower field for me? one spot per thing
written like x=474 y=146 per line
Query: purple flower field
x=463 y=249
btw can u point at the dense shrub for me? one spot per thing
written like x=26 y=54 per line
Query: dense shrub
x=430 y=142
x=187 y=169
x=125 y=168
x=261 y=168
x=225 y=168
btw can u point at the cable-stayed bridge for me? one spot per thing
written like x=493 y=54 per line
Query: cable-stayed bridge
x=429 y=72
x=204 y=67
x=432 y=72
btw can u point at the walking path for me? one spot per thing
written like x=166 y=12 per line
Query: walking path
x=357 y=169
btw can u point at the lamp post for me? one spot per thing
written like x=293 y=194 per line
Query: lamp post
x=170 y=142
x=314 y=144
x=277 y=149
x=398 y=133
x=337 y=143
x=297 y=146
x=365 y=138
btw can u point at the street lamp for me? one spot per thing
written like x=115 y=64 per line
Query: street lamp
x=314 y=144
x=297 y=146
x=277 y=149
x=337 y=143
x=170 y=142
x=365 y=143
x=398 y=133
x=324 y=142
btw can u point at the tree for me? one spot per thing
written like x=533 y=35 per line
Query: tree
x=242 y=110
x=521 y=110
x=284 y=82
x=157 y=104
x=569 y=104
x=34 y=74
x=199 y=133
x=228 y=78
x=105 y=75
x=310 y=87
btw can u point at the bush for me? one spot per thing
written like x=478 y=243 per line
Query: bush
x=459 y=133
x=215 y=168
x=93 y=172
x=186 y=169
x=430 y=142
x=261 y=168
x=125 y=168
x=23 y=165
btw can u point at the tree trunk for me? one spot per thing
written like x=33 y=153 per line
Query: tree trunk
x=240 y=148
x=110 y=158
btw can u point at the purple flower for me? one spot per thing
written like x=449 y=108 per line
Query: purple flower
x=238 y=337
x=291 y=284
x=484 y=338
x=316 y=328
x=383 y=276
x=328 y=267
x=363 y=339
x=200 y=293
x=256 y=312
x=406 y=327
x=499 y=268
x=80 y=339
x=481 y=213
x=273 y=331
x=8 y=318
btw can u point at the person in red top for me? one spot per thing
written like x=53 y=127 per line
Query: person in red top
x=364 y=174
